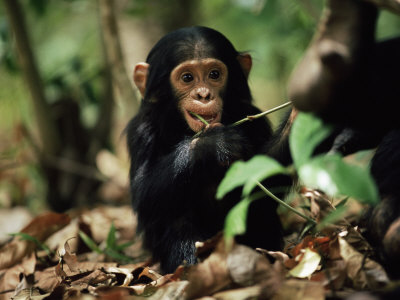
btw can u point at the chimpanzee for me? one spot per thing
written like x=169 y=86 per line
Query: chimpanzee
x=174 y=175
x=348 y=78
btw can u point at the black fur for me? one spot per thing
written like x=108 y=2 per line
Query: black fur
x=173 y=184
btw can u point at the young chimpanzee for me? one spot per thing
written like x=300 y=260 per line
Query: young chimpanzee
x=173 y=175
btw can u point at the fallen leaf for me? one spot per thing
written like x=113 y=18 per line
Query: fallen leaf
x=251 y=292
x=363 y=271
x=10 y=278
x=247 y=267
x=40 y=228
x=45 y=225
x=210 y=276
x=70 y=258
x=308 y=264
x=300 y=289
x=127 y=273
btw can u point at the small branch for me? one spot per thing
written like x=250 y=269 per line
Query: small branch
x=251 y=118
x=285 y=204
x=248 y=118
x=199 y=117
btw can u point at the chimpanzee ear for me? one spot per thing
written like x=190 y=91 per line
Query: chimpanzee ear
x=140 y=76
x=245 y=62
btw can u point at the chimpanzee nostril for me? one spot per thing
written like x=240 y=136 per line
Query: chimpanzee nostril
x=203 y=93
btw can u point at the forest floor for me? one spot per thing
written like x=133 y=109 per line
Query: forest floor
x=95 y=254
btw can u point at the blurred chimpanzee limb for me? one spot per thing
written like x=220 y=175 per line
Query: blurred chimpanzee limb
x=383 y=222
x=345 y=76
x=349 y=79
x=334 y=64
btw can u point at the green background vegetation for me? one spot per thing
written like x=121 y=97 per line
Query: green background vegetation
x=67 y=43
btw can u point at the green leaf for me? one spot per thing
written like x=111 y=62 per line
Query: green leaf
x=332 y=175
x=332 y=217
x=118 y=256
x=235 y=221
x=27 y=237
x=247 y=173
x=306 y=134
x=89 y=242
x=124 y=245
x=111 y=242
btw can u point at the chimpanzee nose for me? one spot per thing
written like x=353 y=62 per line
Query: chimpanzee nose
x=203 y=93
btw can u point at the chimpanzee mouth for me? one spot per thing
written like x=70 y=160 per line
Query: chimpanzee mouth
x=209 y=118
x=198 y=121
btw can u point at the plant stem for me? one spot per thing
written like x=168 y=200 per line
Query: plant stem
x=199 y=117
x=251 y=118
x=248 y=118
x=284 y=203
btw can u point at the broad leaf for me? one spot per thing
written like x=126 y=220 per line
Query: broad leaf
x=235 y=221
x=332 y=175
x=306 y=134
x=247 y=173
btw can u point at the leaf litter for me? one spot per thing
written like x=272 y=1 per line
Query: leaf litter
x=336 y=263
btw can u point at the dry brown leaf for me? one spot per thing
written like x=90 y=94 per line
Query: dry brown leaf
x=252 y=292
x=92 y=278
x=40 y=228
x=70 y=258
x=28 y=294
x=210 y=276
x=13 y=252
x=47 y=279
x=101 y=218
x=45 y=225
x=333 y=276
x=363 y=271
x=10 y=278
x=171 y=291
x=112 y=292
x=125 y=272
x=247 y=267
x=57 y=240
x=300 y=289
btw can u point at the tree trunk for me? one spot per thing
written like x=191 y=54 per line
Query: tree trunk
x=113 y=53
x=50 y=140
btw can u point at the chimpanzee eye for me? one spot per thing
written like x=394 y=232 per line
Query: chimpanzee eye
x=187 y=77
x=214 y=74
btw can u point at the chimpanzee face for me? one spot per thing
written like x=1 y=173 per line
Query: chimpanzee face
x=189 y=69
x=199 y=86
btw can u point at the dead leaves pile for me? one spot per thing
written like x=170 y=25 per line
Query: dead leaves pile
x=334 y=264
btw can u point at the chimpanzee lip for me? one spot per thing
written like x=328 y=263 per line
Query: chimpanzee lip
x=196 y=125
x=209 y=118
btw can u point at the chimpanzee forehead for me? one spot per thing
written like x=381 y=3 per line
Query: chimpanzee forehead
x=192 y=43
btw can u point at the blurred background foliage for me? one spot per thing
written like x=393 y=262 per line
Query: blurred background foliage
x=86 y=84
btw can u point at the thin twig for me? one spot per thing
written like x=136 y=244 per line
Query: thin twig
x=251 y=118
x=248 y=118
x=284 y=203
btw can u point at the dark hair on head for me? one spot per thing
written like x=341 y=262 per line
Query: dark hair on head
x=193 y=43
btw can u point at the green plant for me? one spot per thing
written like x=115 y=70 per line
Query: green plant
x=111 y=248
x=326 y=172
